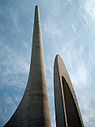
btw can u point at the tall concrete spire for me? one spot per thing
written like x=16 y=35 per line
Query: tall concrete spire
x=33 y=110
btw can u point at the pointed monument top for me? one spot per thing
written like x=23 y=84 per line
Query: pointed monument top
x=36 y=6
x=37 y=20
x=57 y=57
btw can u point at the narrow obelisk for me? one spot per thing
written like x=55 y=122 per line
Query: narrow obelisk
x=33 y=110
x=66 y=105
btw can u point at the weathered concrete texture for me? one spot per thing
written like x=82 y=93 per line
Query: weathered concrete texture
x=33 y=110
x=66 y=106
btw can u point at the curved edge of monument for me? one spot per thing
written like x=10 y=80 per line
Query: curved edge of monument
x=66 y=106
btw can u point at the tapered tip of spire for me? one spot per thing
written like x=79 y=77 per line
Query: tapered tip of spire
x=57 y=58
x=36 y=7
x=37 y=19
x=36 y=10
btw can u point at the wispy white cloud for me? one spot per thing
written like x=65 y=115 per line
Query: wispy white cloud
x=80 y=76
x=8 y=99
x=52 y=29
x=18 y=66
x=87 y=109
x=89 y=6
x=88 y=9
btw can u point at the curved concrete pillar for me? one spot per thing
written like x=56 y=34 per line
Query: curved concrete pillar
x=66 y=106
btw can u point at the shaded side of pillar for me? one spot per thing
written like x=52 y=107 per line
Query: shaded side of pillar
x=66 y=105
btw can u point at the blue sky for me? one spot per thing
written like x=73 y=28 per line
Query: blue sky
x=68 y=28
